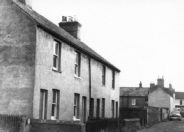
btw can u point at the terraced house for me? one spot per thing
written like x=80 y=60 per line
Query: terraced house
x=48 y=73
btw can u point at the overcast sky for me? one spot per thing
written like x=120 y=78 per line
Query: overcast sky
x=143 y=38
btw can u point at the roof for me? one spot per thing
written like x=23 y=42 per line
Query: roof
x=133 y=91
x=56 y=30
x=167 y=90
x=179 y=95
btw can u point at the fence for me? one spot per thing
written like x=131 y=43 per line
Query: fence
x=102 y=125
x=11 y=123
x=38 y=125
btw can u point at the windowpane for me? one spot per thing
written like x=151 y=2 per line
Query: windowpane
x=77 y=64
x=133 y=101
x=113 y=79
x=76 y=105
x=103 y=75
x=55 y=104
x=56 y=55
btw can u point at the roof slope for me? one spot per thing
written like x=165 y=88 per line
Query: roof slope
x=179 y=95
x=51 y=27
x=167 y=90
x=133 y=91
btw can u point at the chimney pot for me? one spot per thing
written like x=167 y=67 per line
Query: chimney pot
x=140 y=84
x=26 y=2
x=160 y=82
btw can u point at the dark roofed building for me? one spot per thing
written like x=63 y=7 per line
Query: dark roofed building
x=133 y=97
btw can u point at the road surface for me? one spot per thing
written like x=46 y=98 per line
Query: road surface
x=169 y=126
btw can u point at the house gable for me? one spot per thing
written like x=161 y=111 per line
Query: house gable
x=159 y=98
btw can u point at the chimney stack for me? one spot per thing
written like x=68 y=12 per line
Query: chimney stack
x=140 y=84
x=152 y=85
x=26 y=2
x=71 y=25
x=160 y=82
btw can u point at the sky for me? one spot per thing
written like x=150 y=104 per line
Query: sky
x=143 y=38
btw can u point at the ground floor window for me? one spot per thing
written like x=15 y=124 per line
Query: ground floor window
x=55 y=104
x=76 y=105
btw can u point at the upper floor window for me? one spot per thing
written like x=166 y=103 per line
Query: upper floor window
x=103 y=75
x=56 y=56
x=55 y=104
x=113 y=79
x=77 y=64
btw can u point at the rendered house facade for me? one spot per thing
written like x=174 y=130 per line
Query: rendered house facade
x=159 y=96
x=179 y=100
x=48 y=73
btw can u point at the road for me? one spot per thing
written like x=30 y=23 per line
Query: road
x=169 y=126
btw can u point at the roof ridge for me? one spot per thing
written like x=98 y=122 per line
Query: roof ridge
x=46 y=24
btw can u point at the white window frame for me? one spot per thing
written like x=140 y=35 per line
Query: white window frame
x=133 y=101
x=103 y=75
x=55 y=104
x=56 y=55
x=76 y=105
x=77 y=63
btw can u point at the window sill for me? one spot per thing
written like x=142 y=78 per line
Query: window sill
x=103 y=85
x=78 y=78
x=55 y=70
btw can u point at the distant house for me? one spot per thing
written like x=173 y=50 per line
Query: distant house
x=133 y=97
x=179 y=99
x=159 y=96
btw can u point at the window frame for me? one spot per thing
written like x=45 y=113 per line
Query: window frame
x=103 y=75
x=55 y=104
x=76 y=105
x=56 y=56
x=113 y=79
x=77 y=67
x=133 y=102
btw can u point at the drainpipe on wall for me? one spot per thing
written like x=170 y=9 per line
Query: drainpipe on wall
x=89 y=60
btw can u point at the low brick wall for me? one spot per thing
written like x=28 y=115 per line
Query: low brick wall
x=131 y=125
x=153 y=115
x=55 y=126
